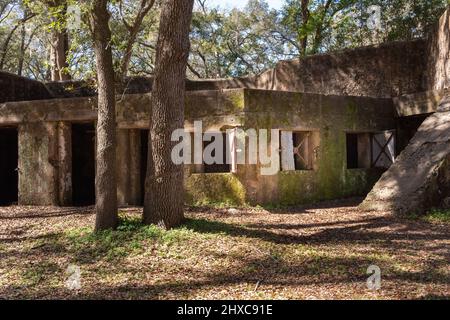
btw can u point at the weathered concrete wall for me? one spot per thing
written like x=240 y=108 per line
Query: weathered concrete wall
x=76 y=109
x=45 y=141
x=215 y=188
x=132 y=110
x=38 y=164
x=15 y=88
x=388 y=70
x=142 y=85
x=421 y=103
x=438 y=68
x=391 y=69
x=45 y=165
x=331 y=117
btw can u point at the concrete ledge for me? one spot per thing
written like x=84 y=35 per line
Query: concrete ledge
x=419 y=103
x=132 y=110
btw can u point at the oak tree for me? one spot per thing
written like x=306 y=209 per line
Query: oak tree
x=164 y=200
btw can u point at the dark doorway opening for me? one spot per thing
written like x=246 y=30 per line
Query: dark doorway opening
x=406 y=129
x=144 y=158
x=9 y=181
x=222 y=167
x=83 y=164
x=352 y=151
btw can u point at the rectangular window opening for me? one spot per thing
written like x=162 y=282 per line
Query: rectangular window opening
x=370 y=150
x=298 y=150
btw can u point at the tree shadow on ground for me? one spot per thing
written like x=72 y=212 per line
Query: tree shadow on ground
x=346 y=231
x=49 y=214
x=253 y=272
x=381 y=233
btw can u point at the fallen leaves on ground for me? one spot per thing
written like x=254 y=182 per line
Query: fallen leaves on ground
x=319 y=252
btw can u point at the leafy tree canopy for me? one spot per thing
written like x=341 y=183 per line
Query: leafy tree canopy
x=224 y=43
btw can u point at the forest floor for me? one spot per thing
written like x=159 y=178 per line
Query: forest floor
x=320 y=252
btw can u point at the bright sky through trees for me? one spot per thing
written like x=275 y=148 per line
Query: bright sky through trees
x=276 y=4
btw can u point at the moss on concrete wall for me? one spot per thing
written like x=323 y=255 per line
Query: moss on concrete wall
x=297 y=187
x=358 y=182
x=214 y=189
x=331 y=117
x=301 y=187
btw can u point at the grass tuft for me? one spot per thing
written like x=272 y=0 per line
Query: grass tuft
x=439 y=216
x=433 y=216
x=132 y=238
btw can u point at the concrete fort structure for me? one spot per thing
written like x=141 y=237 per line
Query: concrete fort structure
x=344 y=118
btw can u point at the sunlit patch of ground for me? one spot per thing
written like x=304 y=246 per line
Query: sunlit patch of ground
x=304 y=253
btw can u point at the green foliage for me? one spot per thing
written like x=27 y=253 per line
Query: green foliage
x=231 y=43
x=433 y=216
x=438 y=216
x=130 y=238
x=235 y=43
x=334 y=25
x=37 y=273
x=54 y=18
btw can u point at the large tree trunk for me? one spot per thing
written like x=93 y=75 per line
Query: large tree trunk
x=303 y=38
x=23 y=34
x=59 y=46
x=106 y=180
x=164 y=201
x=59 y=52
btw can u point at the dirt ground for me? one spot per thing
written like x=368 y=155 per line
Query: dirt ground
x=321 y=252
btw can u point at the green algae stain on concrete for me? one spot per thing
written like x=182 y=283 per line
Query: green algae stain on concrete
x=231 y=101
x=351 y=113
x=237 y=99
x=359 y=182
x=215 y=189
x=296 y=187
x=331 y=164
